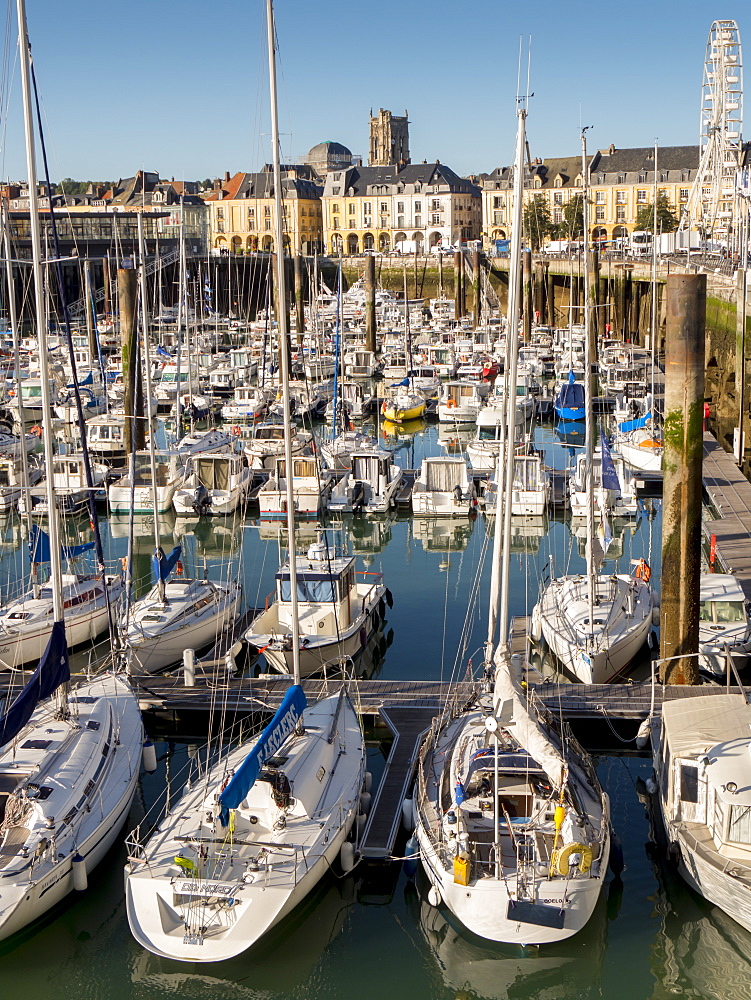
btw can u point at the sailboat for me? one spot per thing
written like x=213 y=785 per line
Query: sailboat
x=512 y=824
x=595 y=623
x=246 y=843
x=69 y=759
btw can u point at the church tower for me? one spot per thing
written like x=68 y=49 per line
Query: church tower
x=389 y=139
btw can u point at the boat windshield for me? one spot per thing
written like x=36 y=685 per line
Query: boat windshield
x=312 y=591
x=722 y=611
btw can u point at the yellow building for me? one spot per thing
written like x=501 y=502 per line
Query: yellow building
x=383 y=208
x=243 y=214
x=621 y=181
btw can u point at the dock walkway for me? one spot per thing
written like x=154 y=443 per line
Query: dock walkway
x=730 y=494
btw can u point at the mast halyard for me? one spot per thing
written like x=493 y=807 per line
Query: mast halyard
x=283 y=341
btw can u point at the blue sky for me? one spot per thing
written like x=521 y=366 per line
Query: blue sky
x=182 y=88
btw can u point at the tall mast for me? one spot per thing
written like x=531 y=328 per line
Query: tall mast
x=281 y=286
x=589 y=426
x=512 y=357
x=56 y=580
x=146 y=355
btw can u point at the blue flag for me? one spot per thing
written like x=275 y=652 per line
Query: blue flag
x=53 y=670
x=609 y=475
x=162 y=353
x=269 y=742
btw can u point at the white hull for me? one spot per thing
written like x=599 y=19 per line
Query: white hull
x=25 y=893
x=617 y=636
x=293 y=856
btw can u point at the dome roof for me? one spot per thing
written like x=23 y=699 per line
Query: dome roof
x=328 y=148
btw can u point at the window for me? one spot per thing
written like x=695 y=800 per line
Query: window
x=599 y=213
x=557 y=215
x=334 y=208
x=418 y=206
x=641 y=197
x=620 y=197
x=252 y=213
x=435 y=204
x=400 y=221
x=497 y=218
x=418 y=220
x=620 y=214
x=267 y=210
x=384 y=206
x=267 y=224
x=400 y=206
x=251 y=224
x=600 y=197
x=366 y=208
x=351 y=209
x=220 y=213
x=435 y=219
x=689 y=783
x=367 y=222
x=499 y=201
x=684 y=194
x=739 y=828
x=558 y=199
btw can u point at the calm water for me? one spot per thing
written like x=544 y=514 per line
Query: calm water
x=374 y=937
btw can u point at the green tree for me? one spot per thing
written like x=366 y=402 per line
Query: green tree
x=573 y=214
x=666 y=218
x=536 y=222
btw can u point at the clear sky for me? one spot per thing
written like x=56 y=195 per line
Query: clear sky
x=182 y=88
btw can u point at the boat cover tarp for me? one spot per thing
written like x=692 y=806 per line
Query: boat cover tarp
x=695 y=725
x=53 y=670
x=635 y=425
x=269 y=742
x=570 y=395
x=39 y=547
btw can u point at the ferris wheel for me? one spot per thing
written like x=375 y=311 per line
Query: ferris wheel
x=711 y=203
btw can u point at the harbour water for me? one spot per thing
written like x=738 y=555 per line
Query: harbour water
x=373 y=934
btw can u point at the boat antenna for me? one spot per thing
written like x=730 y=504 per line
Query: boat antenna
x=281 y=285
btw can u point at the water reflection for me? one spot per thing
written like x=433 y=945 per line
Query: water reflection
x=471 y=967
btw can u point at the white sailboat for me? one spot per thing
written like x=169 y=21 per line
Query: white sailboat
x=179 y=613
x=512 y=824
x=264 y=824
x=595 y=623
x=68 y=766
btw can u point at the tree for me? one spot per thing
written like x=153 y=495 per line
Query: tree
x=536 y=222
x=666 y=218
x=573 y=213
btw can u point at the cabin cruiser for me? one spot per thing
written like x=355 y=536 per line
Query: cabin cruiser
x=368 y=486
x=213 y=484
x=443 y=488
x=309 y=483
x=724 y=623
x=338 y=610
x=137 y=493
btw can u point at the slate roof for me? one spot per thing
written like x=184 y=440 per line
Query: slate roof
x=261 y=185
x=361 y=181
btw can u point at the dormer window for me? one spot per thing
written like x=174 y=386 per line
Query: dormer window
x=558 y=181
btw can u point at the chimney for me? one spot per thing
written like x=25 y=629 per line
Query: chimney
x=226 y=176
x=612 y=149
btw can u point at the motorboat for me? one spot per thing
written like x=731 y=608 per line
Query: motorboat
x=724 y=623
x=266 y=443
x=369 y=486
x=531 y=490
x=214 y=484
x=461 y=401
x=70 y=484
x=309 y=484
x=443 y=488
x=137 y=494
x=338 y=610
x=701 y=751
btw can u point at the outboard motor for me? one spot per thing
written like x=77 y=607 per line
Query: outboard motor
x=358 y=497
x=201 y=500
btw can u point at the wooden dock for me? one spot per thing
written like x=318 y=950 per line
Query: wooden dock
x=729 y=493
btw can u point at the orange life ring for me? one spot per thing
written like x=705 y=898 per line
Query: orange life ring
x=36 y=430
x=642 y=571
x=237 y=430
x=450 y=402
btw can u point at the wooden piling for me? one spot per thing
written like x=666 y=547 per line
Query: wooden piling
x=126 y=298
x=299 y=298
x=458 y=284
x=476 y=288
x=682 y=477
x=527 y=295
x=370 y=309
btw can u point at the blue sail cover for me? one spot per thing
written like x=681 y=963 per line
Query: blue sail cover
x=53 y=670
x=39 y=547
x=609 y=475
x=569 y=403
x=163 y=565
x=635 y=425
x=269 y=743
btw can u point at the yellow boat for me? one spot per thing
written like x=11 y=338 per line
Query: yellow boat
x=403 y=407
